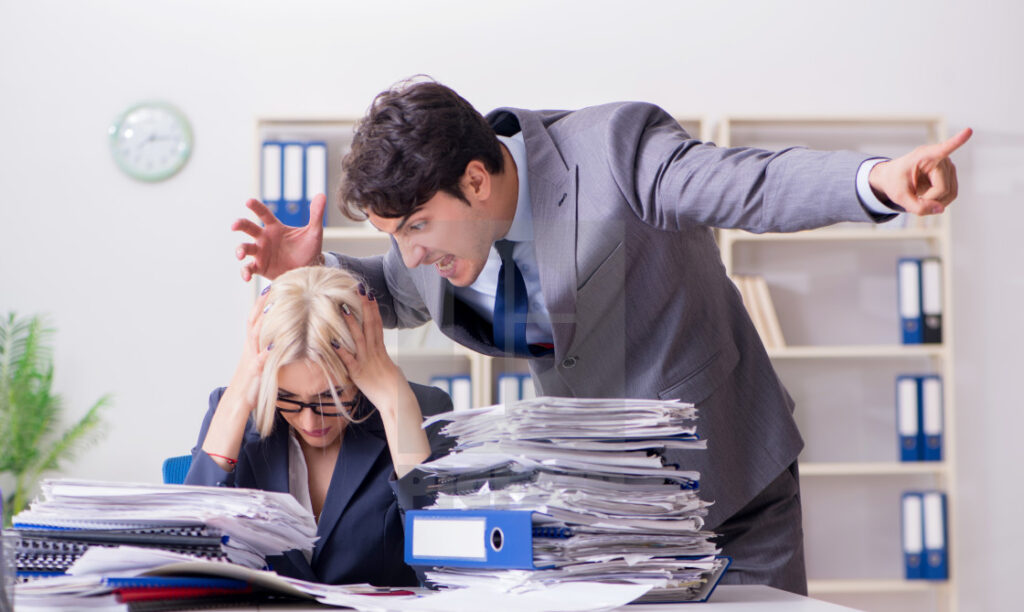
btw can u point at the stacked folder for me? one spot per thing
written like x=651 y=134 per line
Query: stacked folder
x=551 y=490
x=240 y=525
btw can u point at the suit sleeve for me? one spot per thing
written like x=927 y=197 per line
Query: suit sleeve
x=411 y=490
x=395 y=289
x=671 y=180
x=204 y=470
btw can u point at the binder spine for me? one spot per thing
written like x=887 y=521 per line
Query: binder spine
x=931 y=300
x=913 y=536
x=497 y=539
x=931 y=418
x=909 y=276
x=908 y=417
x=936 y=566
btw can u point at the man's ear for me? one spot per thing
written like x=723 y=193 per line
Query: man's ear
x=476 y=182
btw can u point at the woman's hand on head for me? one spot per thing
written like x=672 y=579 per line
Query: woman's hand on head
x=371 y=368
x=246 y=381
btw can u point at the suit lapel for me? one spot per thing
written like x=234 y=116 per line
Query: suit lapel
x=360 y=449
x=553 y=188
x=271 y=454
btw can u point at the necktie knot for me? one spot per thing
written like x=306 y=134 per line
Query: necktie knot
x=504 y=248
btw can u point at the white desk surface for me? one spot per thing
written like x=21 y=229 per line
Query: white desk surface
x=726 y=598
x=745 y=598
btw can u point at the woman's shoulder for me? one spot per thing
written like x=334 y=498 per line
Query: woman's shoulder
x=432 y=400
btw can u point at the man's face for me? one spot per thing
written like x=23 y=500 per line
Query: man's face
x=447 y=233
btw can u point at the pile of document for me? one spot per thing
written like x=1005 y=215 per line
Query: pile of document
x=604 y=504
x=241 y=525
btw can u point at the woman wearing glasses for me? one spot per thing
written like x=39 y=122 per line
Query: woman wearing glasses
x=317 y=408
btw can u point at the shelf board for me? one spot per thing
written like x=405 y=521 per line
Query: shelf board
x=873 y=468
x=402 y=352
x=829 y=235
x=825 y=120
x=873 y=585
x=858 y=351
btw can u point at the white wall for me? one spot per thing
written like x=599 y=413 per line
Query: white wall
x=141 y=282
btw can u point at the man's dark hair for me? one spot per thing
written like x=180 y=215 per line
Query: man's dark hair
x=415 y=141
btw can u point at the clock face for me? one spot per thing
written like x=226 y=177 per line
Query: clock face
x=151 y=141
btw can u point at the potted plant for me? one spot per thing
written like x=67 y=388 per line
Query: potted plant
x=30 y=411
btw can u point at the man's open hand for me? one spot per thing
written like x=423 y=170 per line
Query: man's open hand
x=277 y=248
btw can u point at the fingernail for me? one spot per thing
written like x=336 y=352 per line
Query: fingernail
x=266 y=290
x=371 y=297
x=267 y=309
x=345 y=309
x=335 y=344
x=270 y=346
x=362 y=289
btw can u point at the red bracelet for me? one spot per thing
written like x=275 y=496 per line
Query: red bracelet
x=228 y=459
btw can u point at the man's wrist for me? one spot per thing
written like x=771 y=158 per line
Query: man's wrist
x=874 y=200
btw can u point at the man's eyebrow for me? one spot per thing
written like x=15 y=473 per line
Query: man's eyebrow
x=404 y=220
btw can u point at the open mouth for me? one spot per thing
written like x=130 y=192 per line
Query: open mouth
x=446 y=266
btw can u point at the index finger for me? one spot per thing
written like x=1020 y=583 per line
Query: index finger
x=943 y=150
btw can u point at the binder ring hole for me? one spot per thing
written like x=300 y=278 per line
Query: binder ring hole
x=497 y=539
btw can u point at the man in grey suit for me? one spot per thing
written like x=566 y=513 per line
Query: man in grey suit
x=582 y=241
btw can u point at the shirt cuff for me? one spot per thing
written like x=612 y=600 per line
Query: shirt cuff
x=867 y=196
x=331 y=260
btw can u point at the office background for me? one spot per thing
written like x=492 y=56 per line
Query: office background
x=141 y=282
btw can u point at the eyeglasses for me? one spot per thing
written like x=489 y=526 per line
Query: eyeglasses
x=325 y=407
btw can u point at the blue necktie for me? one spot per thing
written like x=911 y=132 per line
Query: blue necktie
x=511 y=306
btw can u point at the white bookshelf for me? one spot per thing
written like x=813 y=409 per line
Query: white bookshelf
x=834 y=291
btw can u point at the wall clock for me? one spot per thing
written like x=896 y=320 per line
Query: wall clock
x=151 y=141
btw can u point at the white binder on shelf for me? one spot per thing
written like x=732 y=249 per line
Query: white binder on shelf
x=931 y=300
x=936 y=554
x=909 y=278
x=931 y=418
x=270 y=175
x=908 y=417
x=913 y=536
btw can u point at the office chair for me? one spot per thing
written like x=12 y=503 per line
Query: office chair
x=175 y=469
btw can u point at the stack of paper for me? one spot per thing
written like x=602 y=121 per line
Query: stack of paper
x=246 y=525
x=593 y=472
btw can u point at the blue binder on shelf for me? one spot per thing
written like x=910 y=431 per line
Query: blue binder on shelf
x=936 y=552
x=908 y=417
x=909 y=279
x=497 y=539
x=931 y=300
x=912 y=531
x=514 y=386
x=459 y=387
x=931 y=417
x=292 y=173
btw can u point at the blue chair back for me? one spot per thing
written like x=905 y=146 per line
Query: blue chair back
x=175 y=469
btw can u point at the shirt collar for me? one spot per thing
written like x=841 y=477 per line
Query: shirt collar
x=522 y=223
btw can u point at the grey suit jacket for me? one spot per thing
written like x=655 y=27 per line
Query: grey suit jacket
x=623 y=202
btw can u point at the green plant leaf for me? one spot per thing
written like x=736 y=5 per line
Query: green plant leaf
x=30 y=410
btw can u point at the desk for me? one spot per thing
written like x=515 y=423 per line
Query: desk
x=726 y=598
x=745 y=598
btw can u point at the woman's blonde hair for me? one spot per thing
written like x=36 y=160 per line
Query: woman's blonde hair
x=302 y=319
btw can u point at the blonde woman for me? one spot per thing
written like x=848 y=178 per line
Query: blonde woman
x=317 y=408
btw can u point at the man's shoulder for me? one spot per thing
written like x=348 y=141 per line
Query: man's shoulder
x=508 y=120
